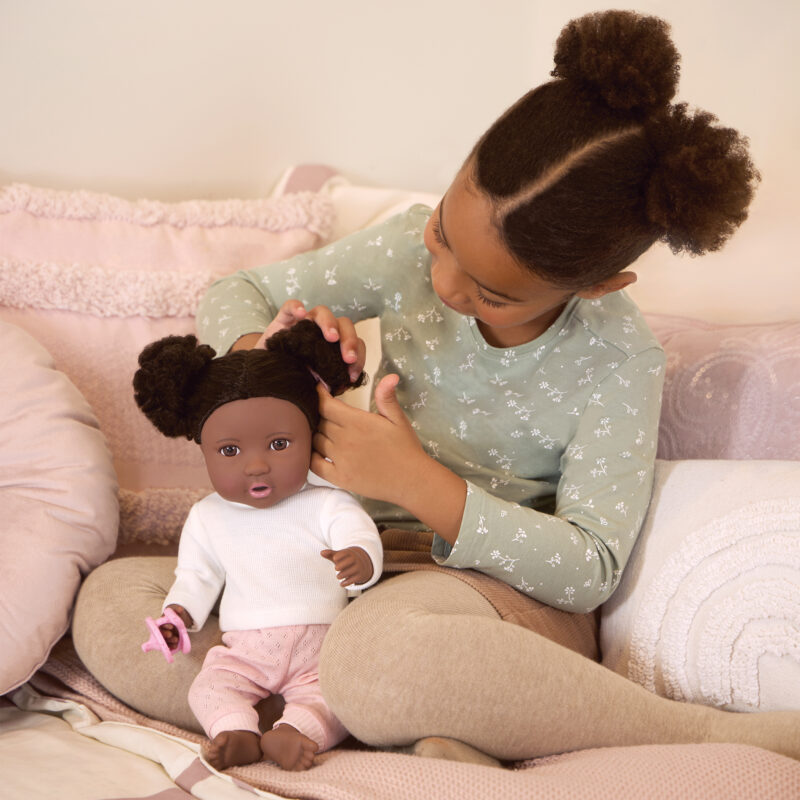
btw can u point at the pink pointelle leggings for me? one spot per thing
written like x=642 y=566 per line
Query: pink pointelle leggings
x=252 y=665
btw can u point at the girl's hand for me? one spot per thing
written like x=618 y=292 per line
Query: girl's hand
x=353 y=565
x=369 y=454
x=379 y=456
x=341 y=329
x=170 y=632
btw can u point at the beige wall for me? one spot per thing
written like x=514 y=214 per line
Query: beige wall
x=185 y=98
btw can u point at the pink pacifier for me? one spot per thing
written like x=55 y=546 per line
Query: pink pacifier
x=156 y=640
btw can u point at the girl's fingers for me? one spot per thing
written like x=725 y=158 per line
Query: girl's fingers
x=290 y=312
x=327 y=322
x=324 y=469
x=349 y=341
x=322 y=445
x=331 y=409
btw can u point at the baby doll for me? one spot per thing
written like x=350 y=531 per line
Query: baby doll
x=261 y=540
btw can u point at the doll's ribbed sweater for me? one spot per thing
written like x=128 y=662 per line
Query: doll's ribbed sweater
x=267 y=562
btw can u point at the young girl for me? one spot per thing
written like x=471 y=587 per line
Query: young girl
x=262 y=539
x=517 y=409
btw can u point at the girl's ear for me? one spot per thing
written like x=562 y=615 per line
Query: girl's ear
x=612 y=284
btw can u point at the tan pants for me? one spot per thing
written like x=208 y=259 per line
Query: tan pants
x=420 y=654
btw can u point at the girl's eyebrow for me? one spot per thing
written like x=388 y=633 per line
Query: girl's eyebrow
x=483 y=286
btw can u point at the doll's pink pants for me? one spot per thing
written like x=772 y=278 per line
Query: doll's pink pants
x=252 y=665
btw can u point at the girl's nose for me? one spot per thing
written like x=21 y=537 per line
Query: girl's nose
x=449 y=281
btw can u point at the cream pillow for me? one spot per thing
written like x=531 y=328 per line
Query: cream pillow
x=58 y=496
x=708 y=609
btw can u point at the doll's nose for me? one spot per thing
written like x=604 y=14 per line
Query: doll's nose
x=257 y=465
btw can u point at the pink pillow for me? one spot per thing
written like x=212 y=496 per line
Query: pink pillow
x=731 y=391
x=58 y=495
x=95 y=278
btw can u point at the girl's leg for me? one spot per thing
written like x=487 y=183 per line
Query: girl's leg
x=108 y=629
x=424 y=655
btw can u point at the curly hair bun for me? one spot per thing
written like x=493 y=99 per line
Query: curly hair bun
x=305 y=342
x=626 y=59
x=167 y=370
x=703 y=183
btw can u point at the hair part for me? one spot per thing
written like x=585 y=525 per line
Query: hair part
x=589 y=170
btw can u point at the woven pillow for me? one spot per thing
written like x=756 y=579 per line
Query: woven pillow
x=58 y=495
x=708 y=609
x=731 y=391
x=95 y=278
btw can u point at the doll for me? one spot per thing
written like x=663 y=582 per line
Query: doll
x=263 y=539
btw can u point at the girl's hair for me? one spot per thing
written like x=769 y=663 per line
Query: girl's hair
x=179 y=382
x=587 y=171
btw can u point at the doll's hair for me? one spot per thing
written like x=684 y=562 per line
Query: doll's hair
x=180 y=382
x=587 y=171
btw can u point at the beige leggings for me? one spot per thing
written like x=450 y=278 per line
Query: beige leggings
x=424 y=654
x=420 y=654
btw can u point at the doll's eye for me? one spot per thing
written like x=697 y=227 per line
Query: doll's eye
x=229 y=450
x=278 y=444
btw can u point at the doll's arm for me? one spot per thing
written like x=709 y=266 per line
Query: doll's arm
x=353 y=565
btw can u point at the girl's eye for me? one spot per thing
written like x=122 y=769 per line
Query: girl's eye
x=278 y=444
x=488 y=301
x=437 y=232
x=229 y=450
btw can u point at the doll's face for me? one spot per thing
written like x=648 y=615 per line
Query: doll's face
x=257 y=451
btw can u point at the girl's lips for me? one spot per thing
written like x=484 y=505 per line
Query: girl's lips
x=260 y=490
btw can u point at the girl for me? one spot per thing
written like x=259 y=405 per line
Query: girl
x=261 y=539
x=518 y=408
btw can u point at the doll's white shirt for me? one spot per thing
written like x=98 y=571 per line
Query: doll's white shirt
x=267 y=562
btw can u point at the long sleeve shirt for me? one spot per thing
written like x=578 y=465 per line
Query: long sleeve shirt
x=266 y=563
x=555 y=438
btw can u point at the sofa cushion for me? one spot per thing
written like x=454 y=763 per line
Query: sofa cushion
x=708 y=608
x=58 y=495
x=731 y=391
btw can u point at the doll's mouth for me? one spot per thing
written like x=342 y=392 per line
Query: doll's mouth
x=260 y=490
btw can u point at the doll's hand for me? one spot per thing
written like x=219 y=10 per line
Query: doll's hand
x=341 y=329
x=353 y=565
x=170 y=632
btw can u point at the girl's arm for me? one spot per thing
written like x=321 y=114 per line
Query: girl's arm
x=571 y=559
x=354 y=278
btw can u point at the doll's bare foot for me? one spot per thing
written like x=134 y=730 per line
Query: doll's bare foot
x=288 y=747
x=232 y=749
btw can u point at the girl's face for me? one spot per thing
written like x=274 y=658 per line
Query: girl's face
x=474 y=273
x=257 y=451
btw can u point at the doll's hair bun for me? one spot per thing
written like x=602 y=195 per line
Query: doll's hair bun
x=168 y=369
x=703 y=182
x=305 y=343
x=624 y=58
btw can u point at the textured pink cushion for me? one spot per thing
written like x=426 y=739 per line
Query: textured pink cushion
x=58 y=499
x=731 y=391
x=95 y=278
